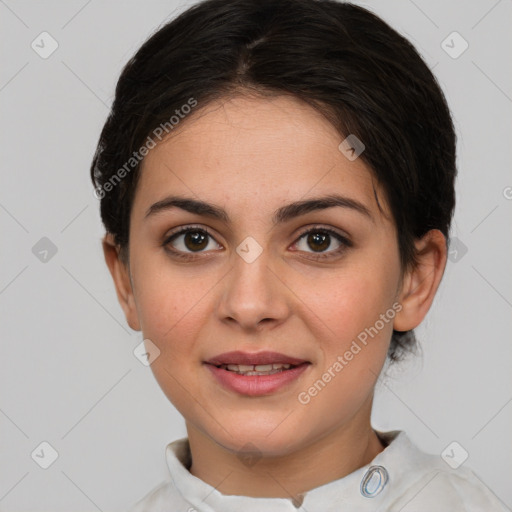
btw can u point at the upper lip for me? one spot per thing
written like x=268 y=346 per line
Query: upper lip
x=254 y=358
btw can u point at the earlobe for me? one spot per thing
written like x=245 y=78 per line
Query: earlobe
x=420 y=284
x=119 y=271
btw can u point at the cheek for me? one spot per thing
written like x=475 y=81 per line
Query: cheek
x=353 y=340
x=352 y=337
x=171 y=303
x=350 y=301
x=173 y=308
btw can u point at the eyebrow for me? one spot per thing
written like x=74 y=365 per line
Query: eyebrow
x=281 y=215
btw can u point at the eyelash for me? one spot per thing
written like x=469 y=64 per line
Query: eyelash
x=344 y=241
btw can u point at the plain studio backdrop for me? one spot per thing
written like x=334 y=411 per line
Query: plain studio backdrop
x=69 y=378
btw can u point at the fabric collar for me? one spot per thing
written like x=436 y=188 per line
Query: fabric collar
x=402 y=460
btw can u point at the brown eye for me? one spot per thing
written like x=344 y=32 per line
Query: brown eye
x=322 y=242
x=319 y=241
x=195 y=240
x=191 y=240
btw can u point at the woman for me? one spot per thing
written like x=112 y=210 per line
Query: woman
x=277 y=186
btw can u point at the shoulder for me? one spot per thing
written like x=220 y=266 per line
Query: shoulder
x=445 y=490
x=167 y=492
x=425 y=482
x=159 y=498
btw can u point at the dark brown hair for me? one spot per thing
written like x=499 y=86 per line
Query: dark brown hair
x=342 y=59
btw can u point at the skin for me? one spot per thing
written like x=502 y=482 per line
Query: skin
x=252 y=156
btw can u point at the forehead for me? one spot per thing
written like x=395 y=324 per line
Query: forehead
x=246 y=150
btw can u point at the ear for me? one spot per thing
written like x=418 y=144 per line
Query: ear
x=420 y=284
x=121 y=275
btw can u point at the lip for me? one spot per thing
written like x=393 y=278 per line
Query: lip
x=255 y=385
x=238 y=357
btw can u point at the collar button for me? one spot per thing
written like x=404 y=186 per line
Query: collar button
x=374 y=481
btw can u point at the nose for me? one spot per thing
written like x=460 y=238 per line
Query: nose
x=253 y=295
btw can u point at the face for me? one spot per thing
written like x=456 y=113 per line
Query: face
x=235 y=267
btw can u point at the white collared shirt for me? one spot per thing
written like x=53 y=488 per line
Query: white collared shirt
x=400 y=478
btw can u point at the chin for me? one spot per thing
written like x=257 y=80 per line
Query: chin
x=263 y=439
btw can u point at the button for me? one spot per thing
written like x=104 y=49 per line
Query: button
x=374 y=481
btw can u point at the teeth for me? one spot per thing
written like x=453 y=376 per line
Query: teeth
x=259 y=369
x=263 y=367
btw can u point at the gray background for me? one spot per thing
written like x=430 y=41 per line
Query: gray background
x=68 y=373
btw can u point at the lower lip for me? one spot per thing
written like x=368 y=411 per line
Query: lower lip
x=257 y=385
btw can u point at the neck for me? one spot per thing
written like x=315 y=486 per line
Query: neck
x=329 y=458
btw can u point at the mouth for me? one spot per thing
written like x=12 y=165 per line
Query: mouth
x=239 y=358
x=257 y=369
x=256 y=374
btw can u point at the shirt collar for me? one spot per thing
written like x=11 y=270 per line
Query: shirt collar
x=400 y=460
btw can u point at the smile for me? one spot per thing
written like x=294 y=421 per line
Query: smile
x=255 y=374
x=259 y=369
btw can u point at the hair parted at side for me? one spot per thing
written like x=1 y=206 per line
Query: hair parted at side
x=341 y=59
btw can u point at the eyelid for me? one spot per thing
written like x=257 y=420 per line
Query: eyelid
x=332 y=231
x=324 y=256
x=184 y=229
x=186 y=255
